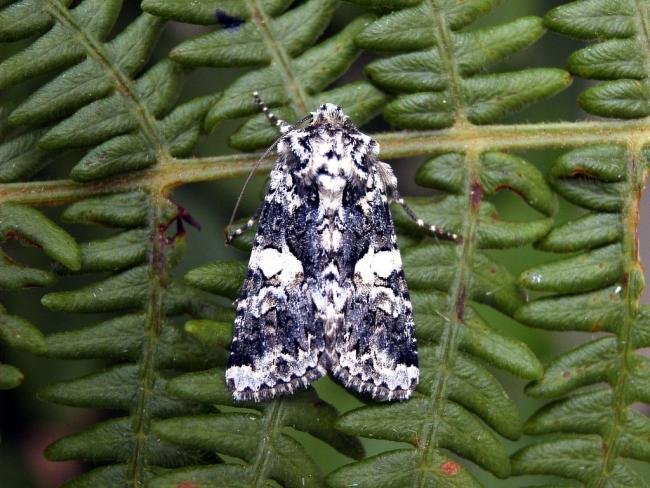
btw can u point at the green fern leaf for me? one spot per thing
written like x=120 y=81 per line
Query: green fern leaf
x=618 y=59
x=312 y=72
x=293 y=31
x=146 y=341
x=601 y=298
x=294 y=75
x=360 y=101
x=156 y=90
x=20 y=156
x=180 y=129
x=440 y=78
x=95 y=88
x=24 y=18
x=87 y=80
x=119 y=116
x=30 y=227
x=56 y=48
x=206 y=12
x=589 y=231
x=600 y=426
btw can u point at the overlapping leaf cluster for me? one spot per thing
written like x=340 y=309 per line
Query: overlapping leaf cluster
x=20 y=157
x=439 y=77
x=598 y=286
x=128 y=122
x=31 y=227
x=142 y=341
x=293 y=72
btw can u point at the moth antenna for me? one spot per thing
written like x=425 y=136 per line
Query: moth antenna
x=233 y=216
x=284 y=128
x=281 y=124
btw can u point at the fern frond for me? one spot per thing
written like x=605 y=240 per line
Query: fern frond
x=621 y=57
x=143 y=338
x=460 y=404
x=131 y=124
x=88 y=80
x=105 y=69
x=438 y=84
x=30 y=227
x=20 y=155
x=294 y=74
x=207 y=12
x=81 y=101
x=105 y=103
x=20 y=20
x=56 y=48
x=598 y=289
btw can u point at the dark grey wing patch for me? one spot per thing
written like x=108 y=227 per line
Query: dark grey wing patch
x=375 y=351
x=276 y=345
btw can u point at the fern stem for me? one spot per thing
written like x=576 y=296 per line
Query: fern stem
x=633 y=284
x=177 y=172
x=643 y=29
x=559 y=135
x=394 y=145
x=153 y=326
x=272 y=423
x=445 y=49
x=281 y=59
x=122 y=82
x=459 y=291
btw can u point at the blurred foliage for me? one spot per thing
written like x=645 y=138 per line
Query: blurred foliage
x=106 y=109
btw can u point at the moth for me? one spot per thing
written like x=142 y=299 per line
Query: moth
x=325 y=290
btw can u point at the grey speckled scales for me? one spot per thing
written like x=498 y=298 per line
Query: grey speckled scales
x=325 y=290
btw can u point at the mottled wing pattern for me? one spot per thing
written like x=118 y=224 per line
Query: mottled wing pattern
x=325 y=287
x=375 y=350
x=276 y=346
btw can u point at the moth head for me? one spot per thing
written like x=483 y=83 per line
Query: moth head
x=330 y=114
